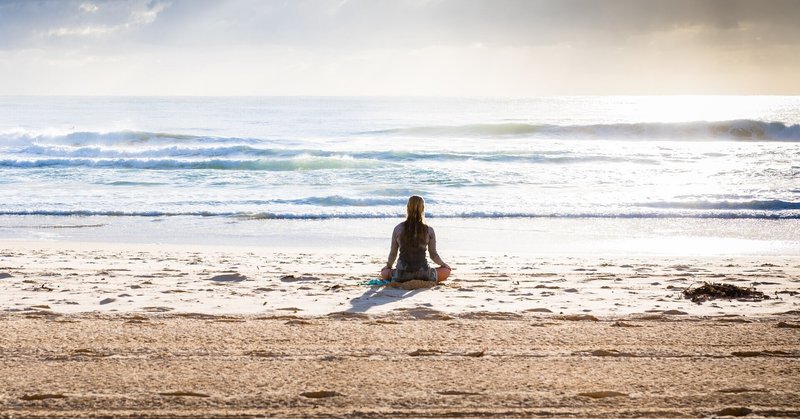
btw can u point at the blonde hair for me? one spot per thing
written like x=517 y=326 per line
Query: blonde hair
x=415 y=232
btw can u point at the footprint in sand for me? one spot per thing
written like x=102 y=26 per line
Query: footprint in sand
x=292 y=278
x=157 y=309
x=233 y=277
x=424 y=313
x=539 y=310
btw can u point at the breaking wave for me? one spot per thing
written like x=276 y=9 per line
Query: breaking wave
x=766 y=205
x=311 y=163
x=365 y=215
x=743 y=129
x=338 y=206
x=112 y=138
x=244 y=157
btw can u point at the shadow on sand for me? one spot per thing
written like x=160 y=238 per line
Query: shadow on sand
x=380 y=295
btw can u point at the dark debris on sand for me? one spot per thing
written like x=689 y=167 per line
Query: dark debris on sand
x=712 y=290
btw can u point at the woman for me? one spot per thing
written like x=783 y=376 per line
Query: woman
x=412 y=237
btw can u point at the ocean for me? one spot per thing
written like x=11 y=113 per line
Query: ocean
x=204 y=161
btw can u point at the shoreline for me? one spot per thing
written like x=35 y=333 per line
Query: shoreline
x=562 y=237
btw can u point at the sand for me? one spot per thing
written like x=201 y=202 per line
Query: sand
x=176 y=331
x=71 y=277
x=394 y=365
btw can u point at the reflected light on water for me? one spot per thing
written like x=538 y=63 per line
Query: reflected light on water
x=700 y=246
x=692 y=108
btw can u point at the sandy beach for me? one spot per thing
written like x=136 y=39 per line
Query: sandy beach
x=176 y=331
x=198 y=201
x=70 y=277
x=416 y=363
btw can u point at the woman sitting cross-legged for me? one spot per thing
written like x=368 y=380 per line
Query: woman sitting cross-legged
x=412 y=237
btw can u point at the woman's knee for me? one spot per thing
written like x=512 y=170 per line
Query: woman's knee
x=442 y=273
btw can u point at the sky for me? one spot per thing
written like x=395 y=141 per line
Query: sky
x=399 y=47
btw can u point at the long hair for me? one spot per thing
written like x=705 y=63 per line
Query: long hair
x=415 y=231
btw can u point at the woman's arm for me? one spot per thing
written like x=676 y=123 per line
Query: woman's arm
x=432 y=248
x=395 y=246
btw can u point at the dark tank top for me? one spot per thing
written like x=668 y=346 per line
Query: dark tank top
x=413 y=258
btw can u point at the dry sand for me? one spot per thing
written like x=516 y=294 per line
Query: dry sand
x=66 y=277
x=395 y=365
x=168 y=331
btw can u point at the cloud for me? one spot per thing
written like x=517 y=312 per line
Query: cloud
x=87 y=7
x=147 y=15
x=452 y=47
x=351 y=24
x=82 y=30
x=419 y=23
x=139 y=15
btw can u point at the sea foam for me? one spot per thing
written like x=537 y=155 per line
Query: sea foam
x=744 y=129
x=308 y=158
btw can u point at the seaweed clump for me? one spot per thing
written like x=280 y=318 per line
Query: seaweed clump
x=712 y=290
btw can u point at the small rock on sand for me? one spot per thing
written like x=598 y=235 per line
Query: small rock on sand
x=107 y=301
x=5 y=275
